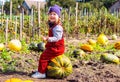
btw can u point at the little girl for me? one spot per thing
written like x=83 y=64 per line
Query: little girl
x=55 y=41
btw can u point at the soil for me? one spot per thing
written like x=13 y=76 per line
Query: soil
x=83 y=71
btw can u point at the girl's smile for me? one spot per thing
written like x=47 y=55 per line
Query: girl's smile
x=53 y=17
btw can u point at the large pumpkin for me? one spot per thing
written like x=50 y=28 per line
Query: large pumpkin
x=15 y=45
x=14 y=80
x=110 y=58
x=2 y=46
x=87 y=47
x=102 y=39
x=59 y=67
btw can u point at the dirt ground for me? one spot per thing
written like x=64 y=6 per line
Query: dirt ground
x=83 y=71
x=91 y=72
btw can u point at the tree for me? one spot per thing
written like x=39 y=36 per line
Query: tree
x=108 y=3
x=7 y=7
x=97 y=3
x=15 y=4
x=71 y=3
x=63 y=3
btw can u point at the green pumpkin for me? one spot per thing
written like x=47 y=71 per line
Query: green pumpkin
x=41 y=46
x=59 y=67
x=32 y=46
x=78 y=53
x=37 y=46
x=110 y=58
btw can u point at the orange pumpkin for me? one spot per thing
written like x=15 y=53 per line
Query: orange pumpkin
x=87 y=47
x=117 y=45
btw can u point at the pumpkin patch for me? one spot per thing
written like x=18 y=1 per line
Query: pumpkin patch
x=89 y=29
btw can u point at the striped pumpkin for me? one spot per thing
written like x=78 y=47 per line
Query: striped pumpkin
x=59 y=67
x=110 y=58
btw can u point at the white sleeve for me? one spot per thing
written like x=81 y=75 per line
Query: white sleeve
x=57 y=34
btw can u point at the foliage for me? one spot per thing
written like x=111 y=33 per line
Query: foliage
x=71 y=3
x=108 y=3
x=7 y=63
x=15 y=5
x=63 y=3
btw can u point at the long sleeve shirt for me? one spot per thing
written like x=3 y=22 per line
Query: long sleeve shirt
x=57 y=34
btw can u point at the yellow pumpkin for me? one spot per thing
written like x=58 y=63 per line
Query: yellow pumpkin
x=87 y=47
x=15 y=45
x=28 y=81
x=102 y=39
x=13 y=80
x=117 y=45
x=92 y=42
x=114 y=37
x=2 y=46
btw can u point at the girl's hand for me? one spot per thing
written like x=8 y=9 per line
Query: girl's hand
x=44 y=38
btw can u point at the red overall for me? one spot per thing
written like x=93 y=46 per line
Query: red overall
x=53 y=49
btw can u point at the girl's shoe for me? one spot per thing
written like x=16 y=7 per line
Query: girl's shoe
x=38 y=75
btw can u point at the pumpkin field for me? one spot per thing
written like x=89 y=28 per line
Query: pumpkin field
x=87 y=65
x=92 y=47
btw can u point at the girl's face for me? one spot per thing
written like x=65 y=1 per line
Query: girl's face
x=53 y=17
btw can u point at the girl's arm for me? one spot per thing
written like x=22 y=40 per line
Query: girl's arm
x=57 y=34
